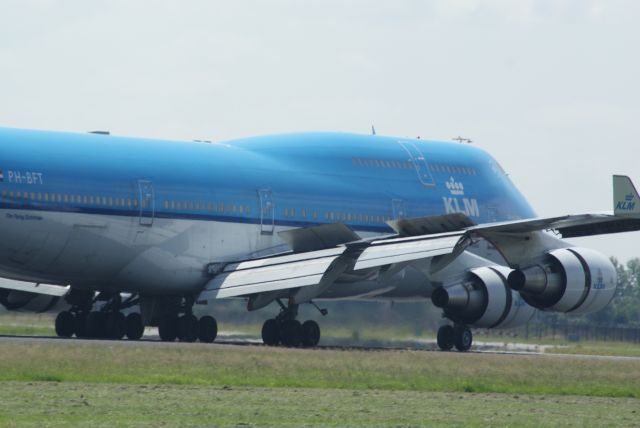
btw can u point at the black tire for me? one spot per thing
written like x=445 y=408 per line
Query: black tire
x=80 y=325
x=189 y=328
x=291 y=333
x=96 y=325
x=463 y=339
x=115 y=325
x=168 y=328
x=64 y=324
x=445 y=337
x=134 y=328
x=310 y=333
x=207 y=329
x=271 y=332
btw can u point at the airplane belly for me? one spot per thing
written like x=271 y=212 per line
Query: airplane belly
x=31 y=241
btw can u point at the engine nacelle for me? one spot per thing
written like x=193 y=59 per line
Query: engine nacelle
x=576 y=280
x=23 y=301
x=484 y=300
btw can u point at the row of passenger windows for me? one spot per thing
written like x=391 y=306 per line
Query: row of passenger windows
x=331 y=216
x=452 y=169
x=70 y=198
x=221 y=208
x=433 y=167
x=381 y=163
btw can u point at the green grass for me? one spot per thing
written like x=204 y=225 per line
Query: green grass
x=81 y=404
x=19 y=324
x=249 y=366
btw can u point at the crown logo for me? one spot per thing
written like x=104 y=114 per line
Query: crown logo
x=629 y=197
x=456 y=188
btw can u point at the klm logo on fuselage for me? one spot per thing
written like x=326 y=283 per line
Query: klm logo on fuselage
x=628 y=204
x=455 y=204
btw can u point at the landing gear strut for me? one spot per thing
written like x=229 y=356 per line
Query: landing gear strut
x=458 y=335
x=106 y=323
x=285 y=329
x=187 y=327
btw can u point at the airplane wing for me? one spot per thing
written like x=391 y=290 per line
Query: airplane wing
x=30 y=296
x=294 y=270
x=416 y=239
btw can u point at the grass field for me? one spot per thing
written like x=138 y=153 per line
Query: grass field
x=81 y=404
x=90 y=383
x=114 y=383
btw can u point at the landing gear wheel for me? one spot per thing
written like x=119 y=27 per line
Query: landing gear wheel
x=189 y=328
x=96 y=325
x=168 y=328
x=115 y=325
x=134 y=329
x=310 y=333
x=271 y=332
x=207 y=329
x=463 y=338
x=445 y=337
x=64 y=324
x=80 y=325
x=291 y=333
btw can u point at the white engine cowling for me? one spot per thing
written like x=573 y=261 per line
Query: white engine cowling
x=484 y=300
x=576 y=280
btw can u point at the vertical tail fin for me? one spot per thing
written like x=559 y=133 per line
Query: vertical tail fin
x=626 y=201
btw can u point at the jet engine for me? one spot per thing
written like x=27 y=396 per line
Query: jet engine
x=483 y=300
x=576 y=280
x=24 y=301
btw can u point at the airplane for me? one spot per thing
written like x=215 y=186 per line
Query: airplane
x=99 y=226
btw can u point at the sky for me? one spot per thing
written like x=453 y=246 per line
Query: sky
x=549 y=87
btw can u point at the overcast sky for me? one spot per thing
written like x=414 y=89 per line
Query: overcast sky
x=550 y=88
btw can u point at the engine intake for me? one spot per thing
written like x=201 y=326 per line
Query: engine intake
x=577 y=280
x=483 y=300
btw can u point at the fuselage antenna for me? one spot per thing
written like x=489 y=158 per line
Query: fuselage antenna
x=460 y=139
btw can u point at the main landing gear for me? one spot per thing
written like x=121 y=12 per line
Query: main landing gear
x=183 y=325
x=285 y=329
x=457 y=335
x=106 y=323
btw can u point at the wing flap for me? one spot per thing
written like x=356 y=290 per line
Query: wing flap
x=389 y=251
x=274 y=273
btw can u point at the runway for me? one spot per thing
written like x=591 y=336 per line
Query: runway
x=231 y=343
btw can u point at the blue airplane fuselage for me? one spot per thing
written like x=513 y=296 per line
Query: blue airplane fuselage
x=99 y=210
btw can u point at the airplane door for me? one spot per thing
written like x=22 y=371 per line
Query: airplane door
x=267 y=216
x=419 y=162
x=146 y=202
x=398 y=207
